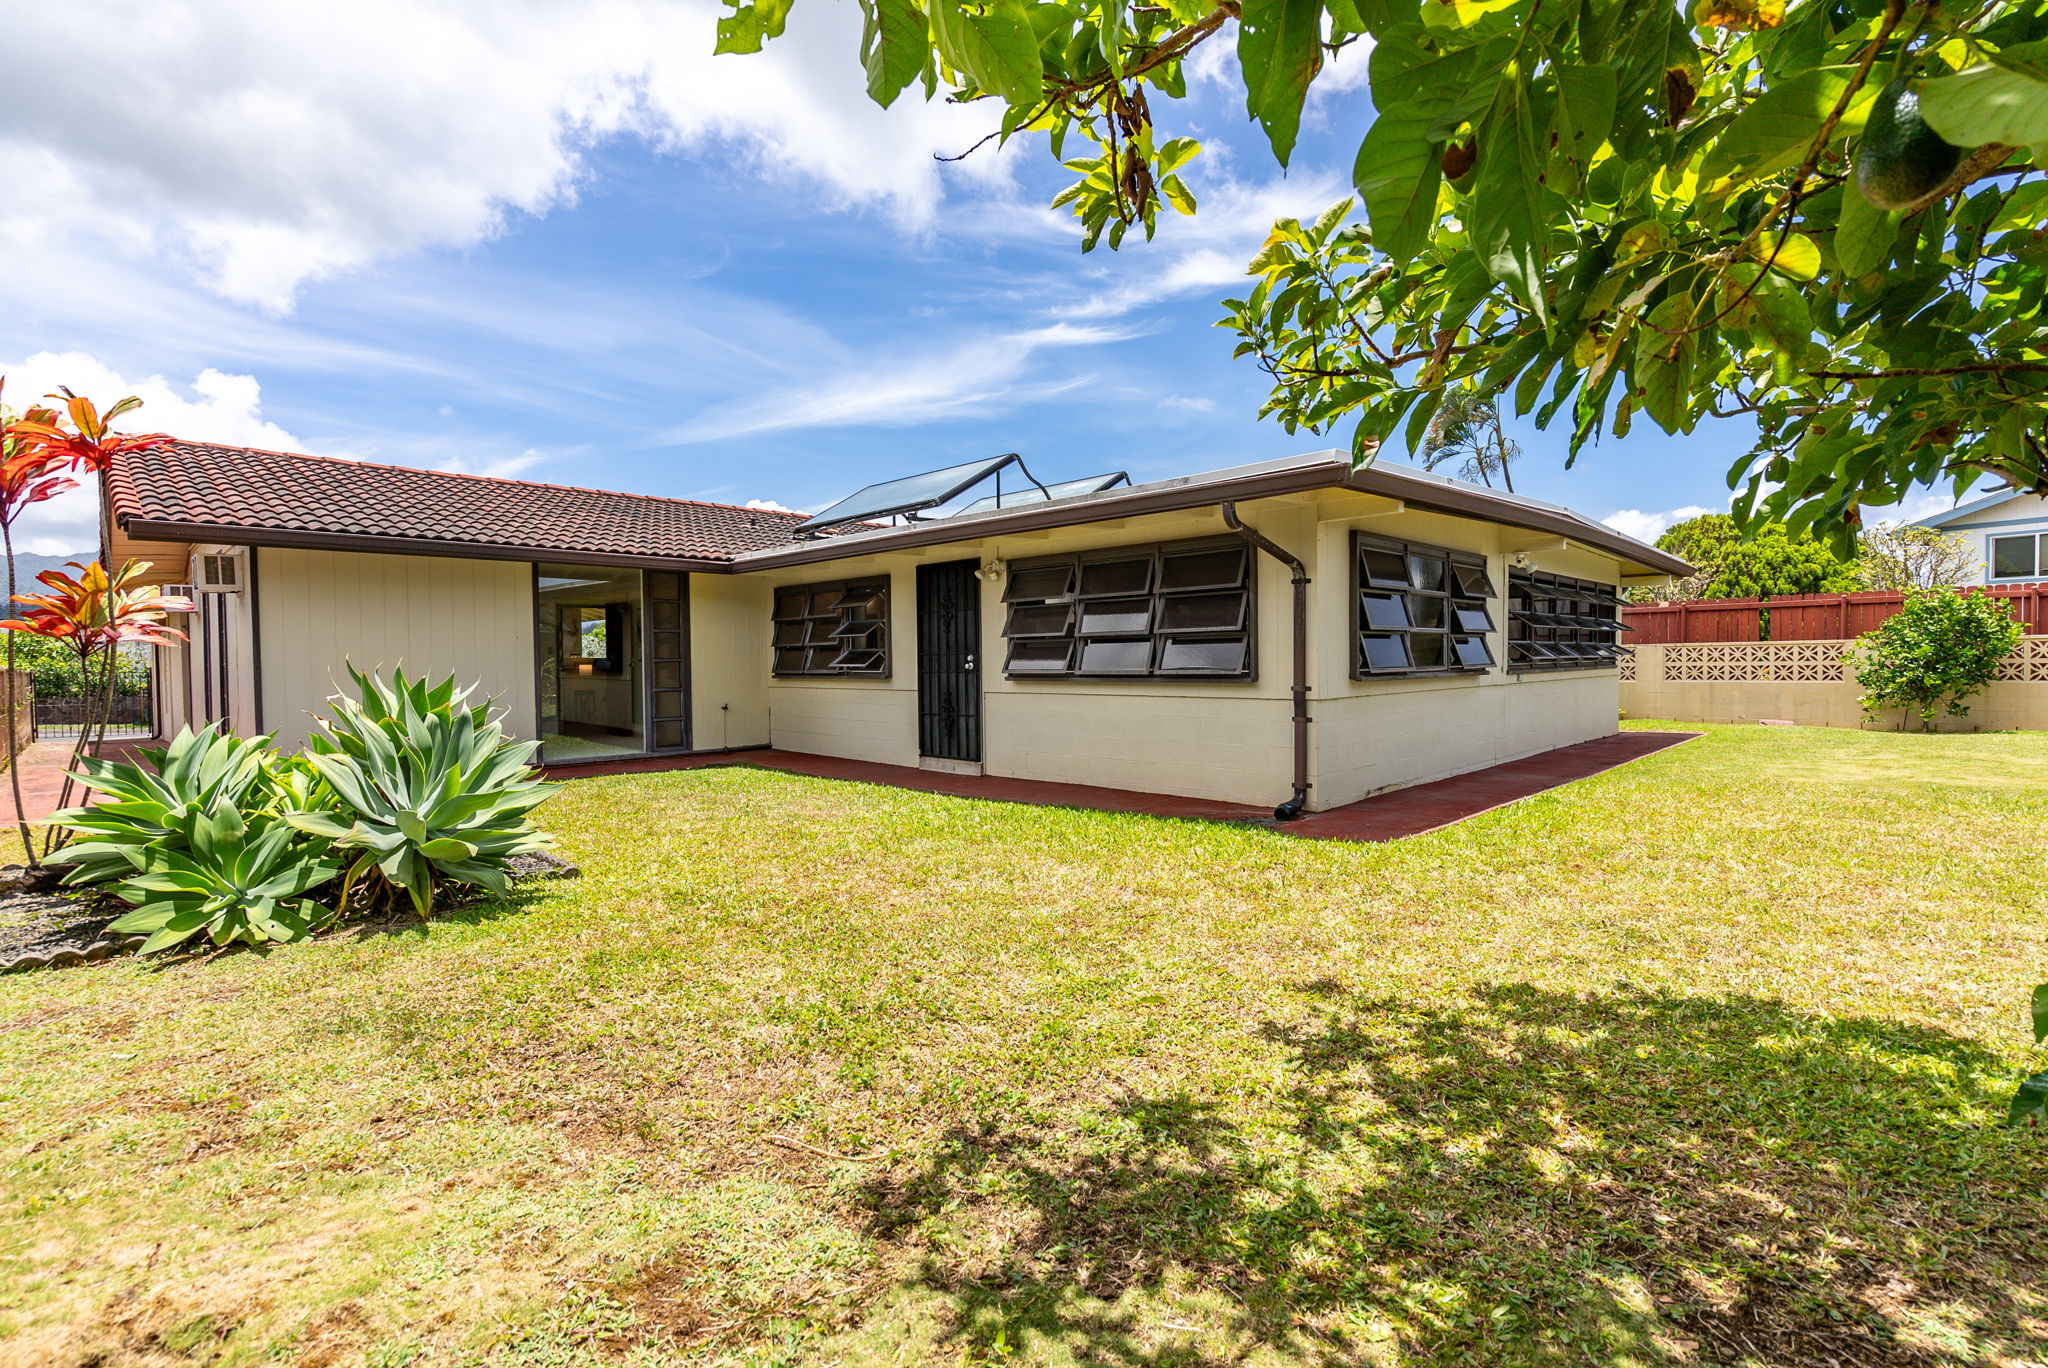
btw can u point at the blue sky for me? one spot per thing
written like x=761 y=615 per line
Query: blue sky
x=586 y=252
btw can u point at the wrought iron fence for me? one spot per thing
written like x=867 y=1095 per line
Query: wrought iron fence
x=58 y=719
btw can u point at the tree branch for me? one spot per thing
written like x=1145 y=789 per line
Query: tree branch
x=1974 y=368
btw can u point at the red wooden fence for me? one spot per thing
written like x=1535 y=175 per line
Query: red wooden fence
x=1801 y=617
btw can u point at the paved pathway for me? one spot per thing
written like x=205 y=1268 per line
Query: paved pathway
x=1386 y=817
x=42 y=777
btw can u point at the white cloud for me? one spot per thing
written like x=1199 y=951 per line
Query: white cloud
x=1918 y=504
x=979 y=377
x=499 y=468
x=1189 y=403
x=1647 y=527
x=214 y=407
x=1208 y=252
x=267 y=144
x=771 y=506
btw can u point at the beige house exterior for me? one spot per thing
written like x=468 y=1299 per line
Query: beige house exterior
x=2006 y=531
x=305 y=605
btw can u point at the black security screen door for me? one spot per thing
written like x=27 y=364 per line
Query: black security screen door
x=948 y=670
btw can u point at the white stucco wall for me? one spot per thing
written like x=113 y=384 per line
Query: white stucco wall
x=319 y=611
x=729 y=636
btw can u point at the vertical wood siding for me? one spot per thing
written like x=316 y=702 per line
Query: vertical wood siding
x=320 y=611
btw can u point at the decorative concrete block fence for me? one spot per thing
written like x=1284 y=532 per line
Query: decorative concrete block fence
x=1809 y=682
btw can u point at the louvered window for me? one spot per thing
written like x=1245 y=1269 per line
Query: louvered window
x=1557 y=623
x=1418 y=610
x=832 y=630
x=1181 y=610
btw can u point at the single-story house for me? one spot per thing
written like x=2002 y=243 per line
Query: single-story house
x=2008 y=530
x=1292 y=632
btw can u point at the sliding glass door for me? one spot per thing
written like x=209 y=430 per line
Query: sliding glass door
x=589 y=634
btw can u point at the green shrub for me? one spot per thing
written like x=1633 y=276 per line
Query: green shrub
x=145 y=805
x=223 y=834
x=235 y=878
x=1937 y=650
x=57 y=672
x=430 y=789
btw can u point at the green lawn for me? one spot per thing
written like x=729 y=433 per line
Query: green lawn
x=1700 y=1060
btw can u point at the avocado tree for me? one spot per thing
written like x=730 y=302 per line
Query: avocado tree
x=1826 y=215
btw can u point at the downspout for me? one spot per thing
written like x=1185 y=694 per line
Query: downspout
x=1294 y=806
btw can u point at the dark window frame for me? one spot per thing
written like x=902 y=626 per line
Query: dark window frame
x=828 y=621
x=1173 y=575
x=1389 y=593
x=1556 y=622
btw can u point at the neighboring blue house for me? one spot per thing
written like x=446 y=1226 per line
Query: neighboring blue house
x=2009 y=531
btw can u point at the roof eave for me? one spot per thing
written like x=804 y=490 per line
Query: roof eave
x=1086 y=508
x=1468 y=502
x=1330 y=473
x=227 y=535
x=1992 y=500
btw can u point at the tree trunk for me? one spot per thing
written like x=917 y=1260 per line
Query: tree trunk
x=90 y=732
x=28 y=845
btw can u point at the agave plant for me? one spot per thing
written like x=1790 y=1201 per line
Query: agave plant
x=235 y=878
x=431 y=789
x=147 y=803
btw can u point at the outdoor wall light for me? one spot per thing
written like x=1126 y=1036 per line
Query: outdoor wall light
x=992 y=573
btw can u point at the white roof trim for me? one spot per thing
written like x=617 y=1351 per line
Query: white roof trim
x=1963 y=510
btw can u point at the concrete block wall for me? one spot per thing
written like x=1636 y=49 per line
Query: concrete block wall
x=1813 y=684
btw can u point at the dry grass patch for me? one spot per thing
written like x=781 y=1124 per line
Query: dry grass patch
x=1698 y=1061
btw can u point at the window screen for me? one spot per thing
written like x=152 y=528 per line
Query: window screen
x=1182 y=610
x=2015 y=557
x=1418 y=609
x=832 y=630
x=1555 y=623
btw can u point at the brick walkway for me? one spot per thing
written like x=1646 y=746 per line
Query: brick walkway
x=42 y=777
x=1385 y=817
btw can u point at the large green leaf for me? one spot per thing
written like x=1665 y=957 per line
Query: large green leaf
x=894 y=41
x=750 y=23
x=1506 y=212
x=2040 y=1006
x=1399 y=166
x=1775 y=130
x=1664 y=355
x=1585 y=109
x=1280 y=49
x=996 y=48
x=1986 y=104
x=1863 y=237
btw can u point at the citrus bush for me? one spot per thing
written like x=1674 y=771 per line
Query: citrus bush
x=1936 y=651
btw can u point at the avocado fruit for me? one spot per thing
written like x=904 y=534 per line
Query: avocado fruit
x=1901 y=159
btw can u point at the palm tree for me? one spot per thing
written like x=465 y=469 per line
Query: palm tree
x=1468 y=425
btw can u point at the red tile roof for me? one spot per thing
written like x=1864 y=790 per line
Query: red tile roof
x=193 y=491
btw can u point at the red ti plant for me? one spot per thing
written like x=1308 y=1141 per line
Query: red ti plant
x=29 y=474
x=91 y=443
x=95 y=614
x=37 y=457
